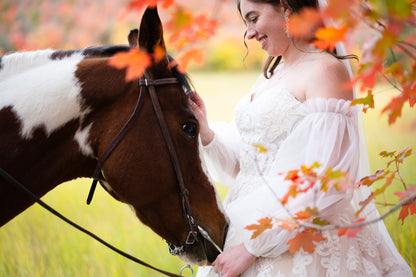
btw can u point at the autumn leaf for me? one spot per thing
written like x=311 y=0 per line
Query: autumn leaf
x=135 y=61
x=367 y=102
x=409 y=207
x=195 y=55
x=264 y=224
x=306 y=240
x=327 y=37
x=139 y=4
x=288 y=224
x=307 y=213
x=305 y=23
x=394 y=108
x=260 y=147
x=352 y=231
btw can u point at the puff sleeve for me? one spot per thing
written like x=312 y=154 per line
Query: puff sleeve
x=222 y=154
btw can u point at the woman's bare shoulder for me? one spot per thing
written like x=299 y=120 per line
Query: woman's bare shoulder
x=328 y=79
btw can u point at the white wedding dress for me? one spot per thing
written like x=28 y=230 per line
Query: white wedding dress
x=295 y=134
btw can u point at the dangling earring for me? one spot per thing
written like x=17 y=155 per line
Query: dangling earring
x=286 y=16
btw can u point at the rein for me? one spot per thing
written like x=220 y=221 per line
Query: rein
x=21 y=187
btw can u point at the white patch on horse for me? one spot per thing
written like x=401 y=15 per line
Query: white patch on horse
x=16 y=63
x=42 y=95
x=81 y=137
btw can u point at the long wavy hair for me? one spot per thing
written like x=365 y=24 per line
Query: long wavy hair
x=294 y=6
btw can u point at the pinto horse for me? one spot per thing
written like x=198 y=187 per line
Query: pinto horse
x=60 y=110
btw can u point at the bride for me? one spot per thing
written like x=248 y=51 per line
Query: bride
x=299 y=111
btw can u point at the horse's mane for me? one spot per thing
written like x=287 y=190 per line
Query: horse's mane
x=21 y=61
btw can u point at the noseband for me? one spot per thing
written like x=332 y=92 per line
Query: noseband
x=150 y=84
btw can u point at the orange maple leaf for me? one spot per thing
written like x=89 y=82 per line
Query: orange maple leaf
x=196 y=55
x=367 y=102
x=135 y=61
x=409 y=207
x=350 y=232
x=327 y=37
x=305 y=23
x=307 y=213
x=305 y=240
x=139 y=4
x=264 y=224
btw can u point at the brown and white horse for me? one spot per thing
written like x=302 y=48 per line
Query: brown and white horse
x=60 y=110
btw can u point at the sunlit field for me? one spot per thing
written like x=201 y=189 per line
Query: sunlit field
x=36 y=243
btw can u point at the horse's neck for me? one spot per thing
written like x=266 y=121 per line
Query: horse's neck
x=21 y=61
x=41 y=91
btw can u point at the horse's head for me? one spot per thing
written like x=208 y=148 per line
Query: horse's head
x=140 y=171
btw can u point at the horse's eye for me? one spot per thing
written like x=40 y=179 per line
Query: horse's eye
x=190 y=129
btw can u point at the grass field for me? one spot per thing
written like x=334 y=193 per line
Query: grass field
x=36 y=243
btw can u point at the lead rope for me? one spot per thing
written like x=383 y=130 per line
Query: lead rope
x=21 y=187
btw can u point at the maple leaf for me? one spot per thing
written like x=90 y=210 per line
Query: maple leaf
x=292 y=191
x=264 y=224
x=327 y=37
x=404 y=212
x=139 y=4
x=394 y=108
x=260 y=147
x=306 y=240
x=367 y=102
x=135 y=61
x=305 y=23
x=352 y=231
x=409 y=207
x=288 y=224
x=196 y=55
x=367 y=73
x=307 y=213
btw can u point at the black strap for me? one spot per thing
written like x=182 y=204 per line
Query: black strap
x=114 y=144
x=186 y=207
x=20 y=186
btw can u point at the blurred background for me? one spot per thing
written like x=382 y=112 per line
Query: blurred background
x=36 y=243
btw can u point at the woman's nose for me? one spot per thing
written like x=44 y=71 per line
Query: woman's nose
x=251 y=33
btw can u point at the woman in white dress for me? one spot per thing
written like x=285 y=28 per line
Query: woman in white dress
x=300 y=112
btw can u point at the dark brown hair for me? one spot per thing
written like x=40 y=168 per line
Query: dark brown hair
x=294 y=6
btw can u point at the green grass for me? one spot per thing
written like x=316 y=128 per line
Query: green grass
x=36 y=243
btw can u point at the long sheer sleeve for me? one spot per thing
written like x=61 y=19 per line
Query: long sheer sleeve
x=326 y=134
x=221 y=155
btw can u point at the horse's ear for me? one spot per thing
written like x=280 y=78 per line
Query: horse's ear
x=133 y=38
x=151 y=31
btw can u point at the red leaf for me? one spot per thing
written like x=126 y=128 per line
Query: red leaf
x=409 y=207
x=367 y=102
x=305 y=23
x=135 y=61
x=305 y=240
x=139 y=4
x=329 y=36
x=196 y=55
x=351 y=232
x=264 y=224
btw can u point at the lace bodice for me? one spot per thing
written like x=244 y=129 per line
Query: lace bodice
x=266 y=121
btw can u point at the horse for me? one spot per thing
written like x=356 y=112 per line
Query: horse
x=60 y=111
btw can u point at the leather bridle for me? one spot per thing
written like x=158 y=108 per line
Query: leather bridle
x=194 y=228
x=150 y=84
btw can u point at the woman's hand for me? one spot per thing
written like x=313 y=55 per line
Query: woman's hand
x=198 y=107
x=233 y=261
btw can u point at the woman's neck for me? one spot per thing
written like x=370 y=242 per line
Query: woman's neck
x=297 y=50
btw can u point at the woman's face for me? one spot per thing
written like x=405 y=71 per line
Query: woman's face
x=267 y=25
